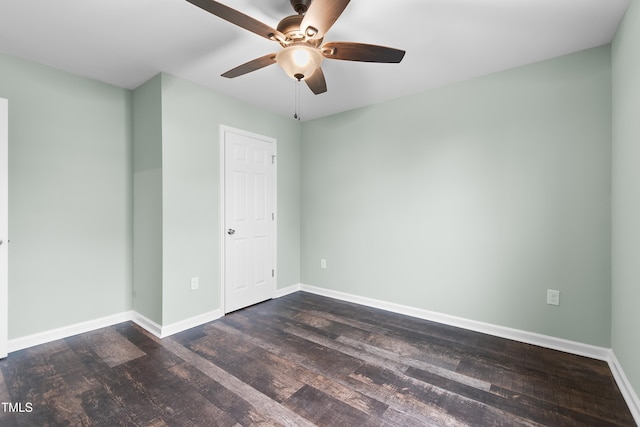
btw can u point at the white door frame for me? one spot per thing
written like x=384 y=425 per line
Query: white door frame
x=4 y=227
x=223 y=230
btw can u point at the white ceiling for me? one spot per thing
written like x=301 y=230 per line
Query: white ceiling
x=126 y=42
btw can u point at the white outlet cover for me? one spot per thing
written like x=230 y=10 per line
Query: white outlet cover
x=553 y=297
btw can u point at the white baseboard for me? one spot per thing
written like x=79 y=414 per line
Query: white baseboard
x=288 y=290
x=630 y=396
x=567 y=346
x=189 y=323
x=147 y=324
x=67 y=331
x=103 y=322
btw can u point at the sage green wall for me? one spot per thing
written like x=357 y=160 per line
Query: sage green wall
x=472 y=200
x=191 y=119
x=147 y=194
x=626 y=194
x=70 y=197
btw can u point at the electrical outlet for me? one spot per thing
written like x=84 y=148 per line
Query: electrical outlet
x=553 y=297
x=195 y=283
x=323 y=263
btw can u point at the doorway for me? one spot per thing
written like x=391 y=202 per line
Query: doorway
x=248 y=264
x=4 y=227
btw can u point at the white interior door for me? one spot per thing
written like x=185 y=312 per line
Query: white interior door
x=249 y=175
x=4 y=226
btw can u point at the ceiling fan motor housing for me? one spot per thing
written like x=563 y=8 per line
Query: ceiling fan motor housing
x=290 y=27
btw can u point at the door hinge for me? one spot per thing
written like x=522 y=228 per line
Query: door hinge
x=273 y=159
x=273 y=273
x=273 y=216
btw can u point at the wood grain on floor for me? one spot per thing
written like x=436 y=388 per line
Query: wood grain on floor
x=305 y=360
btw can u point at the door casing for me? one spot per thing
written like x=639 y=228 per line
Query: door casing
x=4 y=227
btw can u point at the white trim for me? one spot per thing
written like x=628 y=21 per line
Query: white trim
x=629 y=394
x=189 y=323
x=223 y=220
x=288 y=290
x=103 y=322
x=567 y=346
x=146 y=324
x=4 y=228
x=68 y=331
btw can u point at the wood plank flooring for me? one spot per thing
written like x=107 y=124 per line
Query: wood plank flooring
x=305 y=360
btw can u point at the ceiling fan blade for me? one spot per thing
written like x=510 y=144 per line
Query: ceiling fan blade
x=316 y=82
x=250 y=66
x=361 y=52
x=320 y=16
x=238 y=18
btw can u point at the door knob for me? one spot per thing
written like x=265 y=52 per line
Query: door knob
x=231 y=232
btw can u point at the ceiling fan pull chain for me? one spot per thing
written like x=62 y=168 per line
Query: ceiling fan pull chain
x=298 y=99
x=296 y=114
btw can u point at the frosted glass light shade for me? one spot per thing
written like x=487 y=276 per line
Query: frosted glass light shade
x=299 y=60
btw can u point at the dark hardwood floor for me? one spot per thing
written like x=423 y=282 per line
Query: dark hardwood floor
x=305 y=360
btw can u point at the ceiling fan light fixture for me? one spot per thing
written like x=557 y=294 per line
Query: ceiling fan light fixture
x=299 y=60
x=301 y=37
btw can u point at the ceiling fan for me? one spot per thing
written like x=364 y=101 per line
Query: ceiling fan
x=301 y=37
